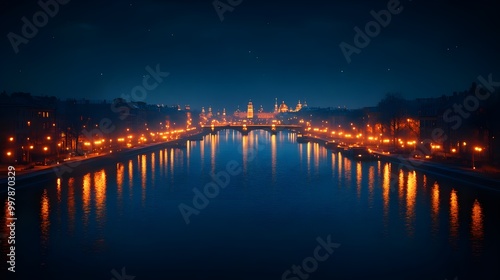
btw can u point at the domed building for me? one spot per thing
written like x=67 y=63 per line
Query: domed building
x=283 y=108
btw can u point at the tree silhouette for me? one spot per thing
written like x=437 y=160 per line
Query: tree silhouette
x=393 y=112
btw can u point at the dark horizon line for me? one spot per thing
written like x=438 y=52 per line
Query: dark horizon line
x=97 y=101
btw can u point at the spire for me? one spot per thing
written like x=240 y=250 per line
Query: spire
x=298 y=107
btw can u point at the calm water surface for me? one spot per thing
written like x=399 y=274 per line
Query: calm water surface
x=125 y=217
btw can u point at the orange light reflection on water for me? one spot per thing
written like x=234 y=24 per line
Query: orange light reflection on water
x=119 y=180
x=153 y=166
x=100 y=194
x=401 y=182
x=86 y=198
x=244 y=151
x=386 y=185
x=58 y=183
x=308 y=156
x=359 y=177
x=371 y=184
x=411 y=195
x=71 y=205
x=172 y=160
x=453 y=216
x=435 y=208
x=273 y=157
x=44 y=218
x=316 y=151
x=477 y=228
x=144 y=171
x=213 y=148
x=130 y=176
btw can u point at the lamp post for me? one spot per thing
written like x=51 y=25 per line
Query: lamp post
x=45 y=155
x=58 y=148
x=29 y=156
x=476 y=149
x=9 y=154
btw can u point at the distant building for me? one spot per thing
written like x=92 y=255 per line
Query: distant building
x=250 y=110
x=28 y=128
x=283 y=108
x=210 y=114
x=264 y=117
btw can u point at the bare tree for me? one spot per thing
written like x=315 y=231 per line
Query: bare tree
x=393 y=114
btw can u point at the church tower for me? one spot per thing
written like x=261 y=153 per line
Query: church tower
x=250 y=110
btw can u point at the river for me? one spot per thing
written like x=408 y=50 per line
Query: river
x=260 y=206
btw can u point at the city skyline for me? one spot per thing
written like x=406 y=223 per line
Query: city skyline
x=251 y=50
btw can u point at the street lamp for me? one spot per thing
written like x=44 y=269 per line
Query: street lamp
x=45 y=155
x=30 y=148
x=58 y=148
x=476 y=149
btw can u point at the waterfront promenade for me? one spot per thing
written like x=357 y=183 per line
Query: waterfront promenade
x=25 y=171
x=486 y=176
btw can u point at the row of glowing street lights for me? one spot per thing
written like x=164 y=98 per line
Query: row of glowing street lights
x=9 y=153
x=401 y=142
x=143 y=138
x=99 y=144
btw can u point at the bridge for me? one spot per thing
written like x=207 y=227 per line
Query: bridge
x=246 y=128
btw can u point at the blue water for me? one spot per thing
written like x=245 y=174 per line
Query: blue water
x=281 y=202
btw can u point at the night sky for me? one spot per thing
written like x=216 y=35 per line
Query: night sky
x=261 y=50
